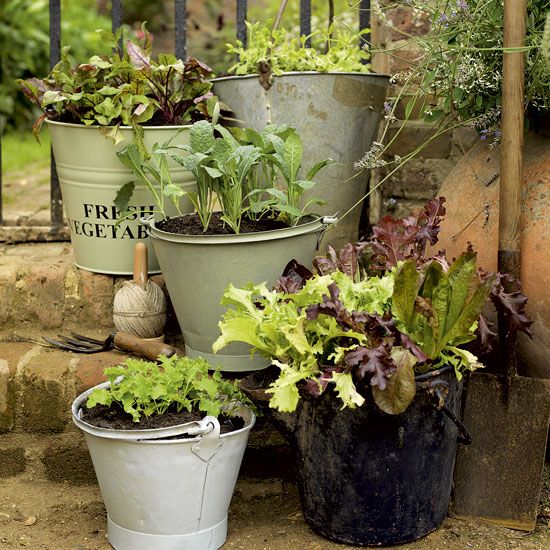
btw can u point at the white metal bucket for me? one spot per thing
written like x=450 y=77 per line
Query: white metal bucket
x=168 y=494
x=90 y=175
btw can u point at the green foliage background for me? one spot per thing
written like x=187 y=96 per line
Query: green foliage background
x=24 y=35
x=346 y=12
x=24 y=47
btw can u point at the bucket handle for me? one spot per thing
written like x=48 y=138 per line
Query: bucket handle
x=147 y=221
x=209 y=442
x=327 y=221
x=437 y=391
x=200 y=428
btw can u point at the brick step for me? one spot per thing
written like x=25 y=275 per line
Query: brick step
x=38 y=439
x=41 y=289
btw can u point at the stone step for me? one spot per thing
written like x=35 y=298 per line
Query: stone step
x=37 y=437
x=42 y=293
x=42 y=289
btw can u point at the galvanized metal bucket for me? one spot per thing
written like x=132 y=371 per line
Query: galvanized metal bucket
x=166 y=494
x=198 y=268
x=90 y=175
x=336 y=115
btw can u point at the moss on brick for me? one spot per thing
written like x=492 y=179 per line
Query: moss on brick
x=71 y=465
x=12 y=461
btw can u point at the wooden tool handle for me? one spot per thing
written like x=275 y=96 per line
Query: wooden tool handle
x=140 y=264
x=511 y=168
x=149 y=349
x=511 y=161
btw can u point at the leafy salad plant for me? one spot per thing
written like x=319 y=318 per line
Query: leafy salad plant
x=126 y=88
x=286 y=54
x=144 y=388
x=238 y=169
x=351 y=329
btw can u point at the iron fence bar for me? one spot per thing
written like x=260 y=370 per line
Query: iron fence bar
x=364 y=21
x=241 y=18
x=57 y=230
x=116 y=19
x=180 y=21
x=1 y=220
x=55 y=32
x=56 y=202
x=305 y=20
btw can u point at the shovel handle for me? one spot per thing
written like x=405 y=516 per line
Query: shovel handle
x=149 y=349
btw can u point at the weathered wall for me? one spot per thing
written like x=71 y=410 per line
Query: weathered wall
x=421 y=178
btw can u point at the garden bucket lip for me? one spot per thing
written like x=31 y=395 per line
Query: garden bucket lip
x=313 y=224
x=433 y=373
x=129 y=128
x=302 y=73
x=147 y=435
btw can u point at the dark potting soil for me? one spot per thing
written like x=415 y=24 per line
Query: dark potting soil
x=191 y=225
x=117 y=419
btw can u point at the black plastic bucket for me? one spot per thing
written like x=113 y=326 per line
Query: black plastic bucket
x=370 y=478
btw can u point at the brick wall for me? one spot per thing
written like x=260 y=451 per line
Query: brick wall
x=421 y=178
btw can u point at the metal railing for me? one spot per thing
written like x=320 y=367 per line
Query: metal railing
x=57 y=231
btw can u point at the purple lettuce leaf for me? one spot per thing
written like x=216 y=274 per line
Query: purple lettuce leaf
x=374 y=361
x=316 y=386
x=293 y=278
x=510 y=304
x=332 y=306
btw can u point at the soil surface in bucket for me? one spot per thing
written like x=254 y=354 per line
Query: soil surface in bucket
x=117 y=419
x=192 y=225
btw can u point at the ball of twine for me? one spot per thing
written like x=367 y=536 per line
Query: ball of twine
x=140 y=311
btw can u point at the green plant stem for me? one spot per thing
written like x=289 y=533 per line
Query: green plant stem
x=404 y=160
x=275 y=27
x=330 y=28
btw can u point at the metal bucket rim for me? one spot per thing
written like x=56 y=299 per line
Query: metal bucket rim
x=432 y=374
x=150 y=435
x=301 y=73
x=312 y=225
x=129 y=128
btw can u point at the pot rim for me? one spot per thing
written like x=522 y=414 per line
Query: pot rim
x=150 y=435
x=433 y=373
x=313 y=224
x=302 y=73
x=96 y=126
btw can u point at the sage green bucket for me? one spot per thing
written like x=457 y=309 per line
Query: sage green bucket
x=90 y=175
x=336 y=114
x=198 y=268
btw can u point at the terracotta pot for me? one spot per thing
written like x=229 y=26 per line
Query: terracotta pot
x=472 y=193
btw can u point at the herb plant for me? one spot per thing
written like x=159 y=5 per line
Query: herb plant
x=149 y=388
x=457 y=78
x=123 y=89
x=153 y=173
x=353 y=329
x=286 y=54
x=239 y=170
